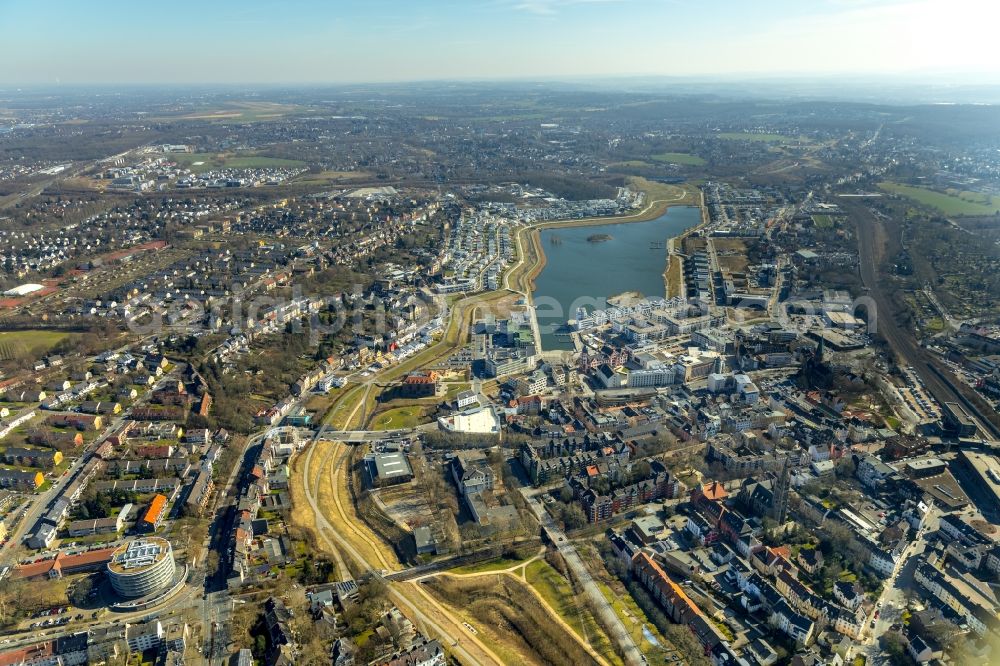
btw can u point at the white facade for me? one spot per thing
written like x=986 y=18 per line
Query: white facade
x=467 y=399
x=655 y=375
x=475 y=420
x=142 y=637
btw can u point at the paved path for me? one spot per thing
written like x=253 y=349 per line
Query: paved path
x=553 y=613
x=892 y=601
x=414 y=601
x=607 y=616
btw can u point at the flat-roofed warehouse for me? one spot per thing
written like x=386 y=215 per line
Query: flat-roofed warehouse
x=385 y=469
x=985 y=471
x=956 y=420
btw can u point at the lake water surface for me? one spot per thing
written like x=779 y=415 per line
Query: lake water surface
x=631 y=260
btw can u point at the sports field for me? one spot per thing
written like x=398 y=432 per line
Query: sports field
x=28 y=344
x=679 y=158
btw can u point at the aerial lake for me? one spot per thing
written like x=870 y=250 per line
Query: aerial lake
x=601 y=261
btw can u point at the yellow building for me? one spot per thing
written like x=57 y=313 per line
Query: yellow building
x=21 y=480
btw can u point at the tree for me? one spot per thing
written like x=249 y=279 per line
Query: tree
x=308 y=571
x=684 y=640
x=617 y=568
x=212 y=563
x=641 y=471
x=573 y=517
x=7 y=601
x=555 y=559
x=243 y=618
x=895 y=648
x=79 y=594
x=845 y=467
x=374 y=589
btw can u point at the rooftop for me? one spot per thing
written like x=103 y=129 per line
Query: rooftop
x=138 y=555
x=391 y=465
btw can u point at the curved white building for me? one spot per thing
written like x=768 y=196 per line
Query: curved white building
x=141 y=567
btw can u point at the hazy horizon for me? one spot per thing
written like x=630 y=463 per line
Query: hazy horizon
x=384 y=41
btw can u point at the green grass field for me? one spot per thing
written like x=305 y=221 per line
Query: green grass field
x=952 y=202
x=679 y=158
x=20 y=344
x=400 y=417
x=238 y=112
x=630 y=164
x=680 y=195
x=329 y=177
x=342 y=405
x=496 y=564
x=632 y=616
x=823 y=221
x=201 y=162
x=455 y=389
x=258 y=161
x=558 y=593
x=555 y=589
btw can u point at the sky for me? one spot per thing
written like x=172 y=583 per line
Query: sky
x=349 y=41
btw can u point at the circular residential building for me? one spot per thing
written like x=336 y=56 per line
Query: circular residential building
x=141 y=567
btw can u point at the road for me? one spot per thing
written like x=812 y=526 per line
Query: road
x=892 y=601
x=408 y=596
x=714 y=268
x=953 y=324
x=181 y=600
x=39 y=505
x=216 y=603
x=214 y=607
x=37 y=188
x=608 y=618
x=415 y=600
x=773 y=311
x=901 y=341
x=513 y=572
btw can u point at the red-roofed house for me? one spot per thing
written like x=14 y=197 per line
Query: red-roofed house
x=154 y=515
x=64 y=564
